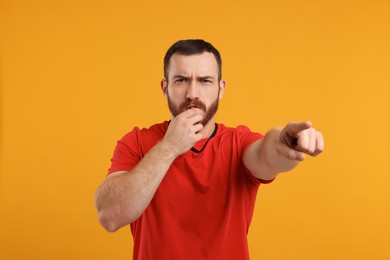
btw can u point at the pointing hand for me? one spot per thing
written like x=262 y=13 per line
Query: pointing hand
x=299 y=138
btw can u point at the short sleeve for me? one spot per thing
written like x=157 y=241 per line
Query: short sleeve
x=127 y=152
x=246 y=138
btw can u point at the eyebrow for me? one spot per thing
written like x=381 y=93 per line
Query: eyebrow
x=180 y=77
x=206 y=77
x=186 y=77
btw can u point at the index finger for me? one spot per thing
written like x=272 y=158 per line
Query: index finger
x=191 y=112
x=293 y=128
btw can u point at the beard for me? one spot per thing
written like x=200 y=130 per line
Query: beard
x=209 y=112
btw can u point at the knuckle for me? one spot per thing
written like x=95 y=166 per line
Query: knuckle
x=320 y=150
x=306 y=150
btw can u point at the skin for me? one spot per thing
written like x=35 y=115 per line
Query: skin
x=124 y=195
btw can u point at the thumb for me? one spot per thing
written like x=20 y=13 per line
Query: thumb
x=290 y=153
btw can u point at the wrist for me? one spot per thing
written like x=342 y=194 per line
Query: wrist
x=168 y=149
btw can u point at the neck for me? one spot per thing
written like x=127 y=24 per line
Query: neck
x=208 y=129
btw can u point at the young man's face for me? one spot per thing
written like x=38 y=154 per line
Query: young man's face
x=193 y=82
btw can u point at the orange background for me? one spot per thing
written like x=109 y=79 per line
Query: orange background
x=75 y=76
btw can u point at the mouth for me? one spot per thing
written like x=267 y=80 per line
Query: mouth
x=190 y=107
x=191 y=104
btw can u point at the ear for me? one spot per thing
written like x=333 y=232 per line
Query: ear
x=222 y=86
x=164 y=88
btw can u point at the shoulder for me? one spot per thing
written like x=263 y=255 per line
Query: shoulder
x=139 y=141
x=238 y=130
x=241 y=135
x=154 y=131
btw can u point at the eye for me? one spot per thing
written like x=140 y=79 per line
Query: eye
x=180 y=80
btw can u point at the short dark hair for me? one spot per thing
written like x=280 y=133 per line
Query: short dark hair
x=190 y=47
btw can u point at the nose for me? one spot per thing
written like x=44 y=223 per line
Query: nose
x=192 y=91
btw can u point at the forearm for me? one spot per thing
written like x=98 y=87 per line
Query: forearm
x=270 y=156
x=122 y=198
x=264 y=159
x=282 y=149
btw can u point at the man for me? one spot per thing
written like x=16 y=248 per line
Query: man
x=188 y=186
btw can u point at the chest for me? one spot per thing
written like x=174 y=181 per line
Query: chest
x=203 y=181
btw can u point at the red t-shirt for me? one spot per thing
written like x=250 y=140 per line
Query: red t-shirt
x=204 y=205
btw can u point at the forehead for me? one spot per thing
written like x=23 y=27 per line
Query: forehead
x=200 y=64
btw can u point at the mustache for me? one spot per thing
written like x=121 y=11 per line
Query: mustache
x=195 y=103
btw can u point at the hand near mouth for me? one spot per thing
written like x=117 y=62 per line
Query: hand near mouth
x=183 y=130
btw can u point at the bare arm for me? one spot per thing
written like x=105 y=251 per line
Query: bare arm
x=124 y=195
x=282 y=149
